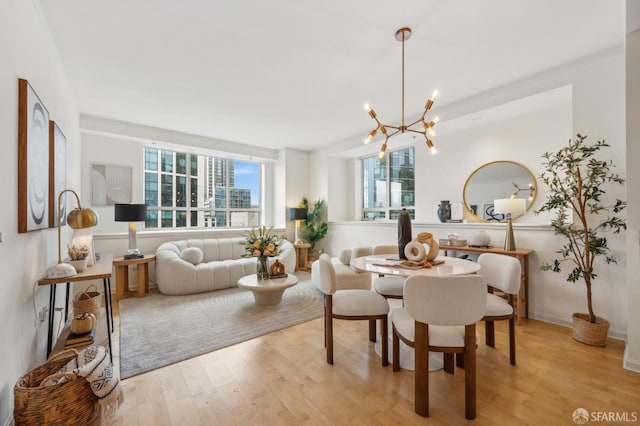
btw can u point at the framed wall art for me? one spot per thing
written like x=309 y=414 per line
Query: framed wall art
x=33 y=160
x=110 y=184
x=57 y=174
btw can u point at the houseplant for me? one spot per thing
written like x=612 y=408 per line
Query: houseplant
x=314 y=228
x=262 y=244
x=577 y=183
x=78 y=256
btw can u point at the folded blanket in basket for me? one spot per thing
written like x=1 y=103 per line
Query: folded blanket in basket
x=94 y=366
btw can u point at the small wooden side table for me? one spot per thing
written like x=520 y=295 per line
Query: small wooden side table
x=302 y=256
x=122 y=275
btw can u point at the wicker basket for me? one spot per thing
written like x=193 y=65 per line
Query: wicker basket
x=87 y=301
x=67 y=403
x=594 y=334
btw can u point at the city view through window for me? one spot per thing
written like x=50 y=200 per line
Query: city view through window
x=388 y=185
x=183 y=190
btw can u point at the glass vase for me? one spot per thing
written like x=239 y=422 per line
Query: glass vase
x=262 y=268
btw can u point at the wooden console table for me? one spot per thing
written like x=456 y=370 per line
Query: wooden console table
x=100 y=270
x=522 y=255
x=122 y=275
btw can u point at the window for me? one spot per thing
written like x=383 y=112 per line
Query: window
x=185 y=190
x=388 y=185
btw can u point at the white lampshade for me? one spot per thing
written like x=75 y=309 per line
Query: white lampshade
x=510 y=205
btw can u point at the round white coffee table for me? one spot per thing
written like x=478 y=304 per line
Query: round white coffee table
x=267 y=292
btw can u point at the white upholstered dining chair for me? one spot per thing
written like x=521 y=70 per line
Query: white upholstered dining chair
x=389 y=286
x=503 y=273
x=350 y=304
x=440 y=315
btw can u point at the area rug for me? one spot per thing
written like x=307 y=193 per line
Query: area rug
x=159 y=330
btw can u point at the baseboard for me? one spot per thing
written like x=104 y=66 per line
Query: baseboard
x=614 y=334
x=628 y=364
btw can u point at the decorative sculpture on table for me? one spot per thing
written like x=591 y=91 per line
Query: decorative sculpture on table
x=416 y=250
x=276 y=270
x=404 y=232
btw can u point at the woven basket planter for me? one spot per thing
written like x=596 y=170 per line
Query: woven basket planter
x=66 y=403
x=594 y=334
x=88 y=301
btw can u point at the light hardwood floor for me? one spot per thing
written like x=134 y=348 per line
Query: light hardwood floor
x=283 y=379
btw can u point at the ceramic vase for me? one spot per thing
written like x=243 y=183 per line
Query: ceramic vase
x=262 y=268
x=481 y=239
x=444 y=211
x=404 y=232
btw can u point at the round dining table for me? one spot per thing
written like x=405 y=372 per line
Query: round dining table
x=388 y=265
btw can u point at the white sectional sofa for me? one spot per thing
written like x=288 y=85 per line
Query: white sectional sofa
x=201 y=265
x=346 y=276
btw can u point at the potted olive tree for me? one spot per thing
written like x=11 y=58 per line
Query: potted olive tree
x=577 y=183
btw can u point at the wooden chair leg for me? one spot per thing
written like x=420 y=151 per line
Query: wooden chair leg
x=421 y=375
x=460 y=360
x=512 y=341
x=385 y=340
x=325 y=323
x=470 y=371
x=329 y=339
x=396 y=351
x=372 y=330
x=328 y=326
x=448 y=362
x=489 y=334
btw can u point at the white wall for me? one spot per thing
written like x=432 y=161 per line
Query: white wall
x=632 y=350
x=595 y=106
x=26 y=52
x=294 y=186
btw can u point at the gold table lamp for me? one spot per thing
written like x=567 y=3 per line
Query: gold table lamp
x=78 y=218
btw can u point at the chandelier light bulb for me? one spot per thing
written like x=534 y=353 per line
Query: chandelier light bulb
x=431 y=132
x=367 y=107
x=435 y=94
x=382 y=151
x=432 y=147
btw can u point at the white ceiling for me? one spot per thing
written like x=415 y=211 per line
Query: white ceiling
x=295 y=73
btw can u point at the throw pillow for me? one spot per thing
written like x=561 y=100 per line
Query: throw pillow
x=192 y=255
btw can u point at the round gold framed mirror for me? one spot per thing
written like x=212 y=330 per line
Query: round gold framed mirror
x=497 y=180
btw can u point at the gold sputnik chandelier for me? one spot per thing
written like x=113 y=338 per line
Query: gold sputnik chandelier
x=425 y=128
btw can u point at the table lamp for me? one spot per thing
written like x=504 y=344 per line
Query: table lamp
x=297 y=214
x=78 y=218
x=131 y=213
x=509 y=206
